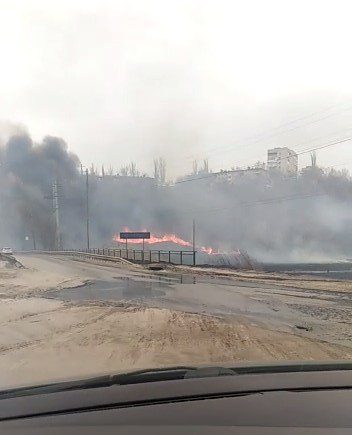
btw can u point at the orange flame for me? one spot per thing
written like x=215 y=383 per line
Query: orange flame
x=154 y=239
x=209 y=251
x=173 y=238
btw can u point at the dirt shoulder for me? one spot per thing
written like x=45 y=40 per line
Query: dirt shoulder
x=26 y=282
x=46 y=339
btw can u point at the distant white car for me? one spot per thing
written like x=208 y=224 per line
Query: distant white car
x=7 y=251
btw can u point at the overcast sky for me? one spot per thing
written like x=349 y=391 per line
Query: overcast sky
x=223 y=80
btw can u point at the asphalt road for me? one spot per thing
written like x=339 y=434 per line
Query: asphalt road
x=319 y=314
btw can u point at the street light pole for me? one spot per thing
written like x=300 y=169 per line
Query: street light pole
x=87 y=207
x=194 y=242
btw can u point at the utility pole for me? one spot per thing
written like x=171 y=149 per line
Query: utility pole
x=87 y=207
x=56 y=207
x=30 y=218
x=194 y=242
x=34 y=242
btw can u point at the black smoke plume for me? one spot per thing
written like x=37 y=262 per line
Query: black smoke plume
x=273 y=218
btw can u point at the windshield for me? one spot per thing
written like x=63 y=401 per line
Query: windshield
x=175 y=186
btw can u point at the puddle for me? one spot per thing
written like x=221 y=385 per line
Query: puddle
x=124 y=288
x=165 y=292
x=164 y=279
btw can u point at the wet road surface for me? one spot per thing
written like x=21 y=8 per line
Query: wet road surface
x=321 y=314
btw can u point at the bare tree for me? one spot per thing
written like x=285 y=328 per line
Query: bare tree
x=110 y=170
x=156 y=169
x=205 y=168
x=124 y=171
x=162 y=169
x=195 y=167
x=313 y=159
x=133 y=172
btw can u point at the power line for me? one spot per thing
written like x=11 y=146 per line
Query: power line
x=315 y=139
x=319 y=139
x=263 y=136
x=320 y=147
x=268 y=201
x=203 y=177
x=302 y=118
x=281 y=158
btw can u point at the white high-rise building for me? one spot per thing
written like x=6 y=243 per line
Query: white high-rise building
x=284 y=160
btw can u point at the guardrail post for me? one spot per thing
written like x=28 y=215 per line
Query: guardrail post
x=127 y=254
x=143 y=256
x=120 y=253
x=134 y=255
x=181 y=257
x=169 y=257
x=150 y=256
x=158 y=256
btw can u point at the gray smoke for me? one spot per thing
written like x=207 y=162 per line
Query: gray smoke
x=270 y=217
x=27 y=172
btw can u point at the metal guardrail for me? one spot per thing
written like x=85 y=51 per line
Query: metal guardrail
x=148 y=256
x=130 y=255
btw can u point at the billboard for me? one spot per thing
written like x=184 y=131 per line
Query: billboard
x=135 y=235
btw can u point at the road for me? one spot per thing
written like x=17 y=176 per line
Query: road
x=64 y=318
x=323 y=315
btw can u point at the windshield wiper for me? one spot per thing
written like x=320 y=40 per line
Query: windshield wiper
x=134 y=377
x=170 y=374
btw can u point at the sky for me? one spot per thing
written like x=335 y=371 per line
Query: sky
x=125 y=81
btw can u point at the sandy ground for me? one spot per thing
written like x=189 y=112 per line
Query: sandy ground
x=31 y=282
x=44 y=339
x=47 y=339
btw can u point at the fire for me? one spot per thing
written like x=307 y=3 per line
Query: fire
x=155 y=239
x=168 y=238
x=209 y=251
x=173 y=238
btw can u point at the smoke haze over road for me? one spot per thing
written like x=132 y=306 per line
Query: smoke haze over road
x=271 y=217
